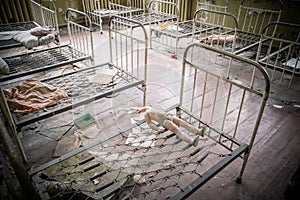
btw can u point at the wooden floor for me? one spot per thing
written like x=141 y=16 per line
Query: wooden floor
x=274 y=158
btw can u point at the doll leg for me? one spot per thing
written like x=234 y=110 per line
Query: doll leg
x=189 y=127
x=175 y=129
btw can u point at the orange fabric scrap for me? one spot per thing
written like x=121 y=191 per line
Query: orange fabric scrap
x=32 y=95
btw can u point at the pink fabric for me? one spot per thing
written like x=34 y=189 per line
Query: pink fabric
x=32 y=95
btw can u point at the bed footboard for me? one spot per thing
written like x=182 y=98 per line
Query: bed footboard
x=251 y=20
x=280 y=55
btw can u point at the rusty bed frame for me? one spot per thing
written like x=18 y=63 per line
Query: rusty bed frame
x=98 y=10
x=80 y=48
x=280 y=55
x=168 y=14
x=251 y=21
x=210 y=95
x=128 y=57
x=42 y=16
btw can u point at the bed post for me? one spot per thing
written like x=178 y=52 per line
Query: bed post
x=12 y=126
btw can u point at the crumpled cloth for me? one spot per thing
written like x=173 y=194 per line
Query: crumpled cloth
x=32 y=95
x=4 y=69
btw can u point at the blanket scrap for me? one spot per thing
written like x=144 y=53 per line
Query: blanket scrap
x=32 y=95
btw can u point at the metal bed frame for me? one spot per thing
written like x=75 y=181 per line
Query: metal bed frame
x=80 y=48
x=281 y=55
x=42 y=17
x=252 y=21
x=210 y=96
x=128 y=55
x=97 y=10
x=184 y=29
x=189 y=28
x=220 y=25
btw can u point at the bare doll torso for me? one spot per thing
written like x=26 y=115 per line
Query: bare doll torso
x=158 y=116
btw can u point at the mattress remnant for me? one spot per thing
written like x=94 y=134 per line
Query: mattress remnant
x=32 y=95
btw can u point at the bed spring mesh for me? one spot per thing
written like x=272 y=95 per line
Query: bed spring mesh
x=153 y=168
x=127 y=165
x=24 y=26
x=43 y=58
x=82 y=87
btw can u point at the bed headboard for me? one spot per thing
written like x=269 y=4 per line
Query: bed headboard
x=252 y=18
x=45 y=16
x=165 y=8
x=128 y=46
x=80 y=36
x=280 y=55
x=226 y=92
x=219 y=25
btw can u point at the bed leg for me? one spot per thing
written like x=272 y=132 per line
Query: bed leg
x=19 y=143
x=246 y=156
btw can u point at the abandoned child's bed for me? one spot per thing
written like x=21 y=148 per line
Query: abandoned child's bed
x=120 y=166
x=251 y=21
x=22 y=104
x=80 y=48
x=280 y=55
x=100 y=10
x=14 y=34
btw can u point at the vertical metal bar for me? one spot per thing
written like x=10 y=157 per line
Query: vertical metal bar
x=226 y=107
x=203 y=96
x=193 y=90
x=256 y=23
x=284 y=68
x=6 y=112
x=239 y=115
x=294 y=69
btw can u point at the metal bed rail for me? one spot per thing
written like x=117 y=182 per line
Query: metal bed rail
x=80 y=37
x=129 y=47
x=252 y=20
x=45 y=16
x=42 y=16
x=128 y=56
x=220 y=30
x=215 y=95
x=280 y=54
x=80 y=48
x=168 y=23
x=169 y=168
x=97 y=10
x=211 y=17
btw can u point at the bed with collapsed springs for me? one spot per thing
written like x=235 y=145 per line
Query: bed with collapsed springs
x=212 y=95
x=127 y=69
x=43 y=17
x=79 y=49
